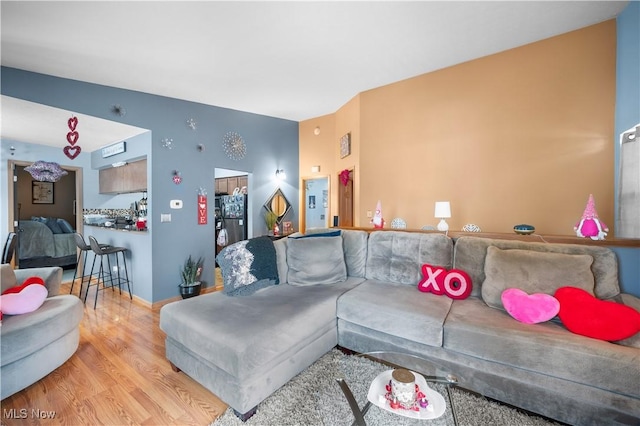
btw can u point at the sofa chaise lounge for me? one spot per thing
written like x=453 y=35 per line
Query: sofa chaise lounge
x=36 y=343
x=358 y=290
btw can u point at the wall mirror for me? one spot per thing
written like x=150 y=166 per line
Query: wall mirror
x=278 y=204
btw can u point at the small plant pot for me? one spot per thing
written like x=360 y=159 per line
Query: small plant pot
x=190 y=290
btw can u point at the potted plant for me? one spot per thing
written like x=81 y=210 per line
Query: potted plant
x=190 y=274
x=270 y=218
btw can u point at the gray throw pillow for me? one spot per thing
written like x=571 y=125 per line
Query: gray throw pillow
x=315 y=260
x=533 y=272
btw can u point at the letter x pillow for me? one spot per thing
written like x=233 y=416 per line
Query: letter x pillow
x=584 y=314
x=23 y=298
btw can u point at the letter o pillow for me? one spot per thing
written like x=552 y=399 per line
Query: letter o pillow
x=586 y=315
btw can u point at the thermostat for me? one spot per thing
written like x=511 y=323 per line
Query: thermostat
x=175 y=204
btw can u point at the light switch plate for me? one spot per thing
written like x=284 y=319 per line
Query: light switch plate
x=165 y=217
x=175 y=204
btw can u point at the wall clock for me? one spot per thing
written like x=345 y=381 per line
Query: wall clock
x=234 y=146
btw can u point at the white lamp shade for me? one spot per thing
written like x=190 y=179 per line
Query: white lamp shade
x=443 y=209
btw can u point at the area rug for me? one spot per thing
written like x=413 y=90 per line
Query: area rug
x=314 y=398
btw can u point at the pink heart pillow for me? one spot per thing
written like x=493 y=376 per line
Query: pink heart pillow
x=23 y=299
x=529 y=309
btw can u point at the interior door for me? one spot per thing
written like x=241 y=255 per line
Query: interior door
x=68 y=199
x=316 y=203
x=345 y=201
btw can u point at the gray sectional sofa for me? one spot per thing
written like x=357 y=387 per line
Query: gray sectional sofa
x=358 y=291
x=36 y=343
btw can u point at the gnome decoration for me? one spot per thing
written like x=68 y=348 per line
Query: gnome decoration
x=590 y=225
x=378 y=221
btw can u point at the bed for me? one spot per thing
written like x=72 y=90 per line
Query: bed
x=39 y=245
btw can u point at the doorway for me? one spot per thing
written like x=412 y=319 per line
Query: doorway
x=316 y=202
x=233 y=207
x=66 y=199
x=345 y=199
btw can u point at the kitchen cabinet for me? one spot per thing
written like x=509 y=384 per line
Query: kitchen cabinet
x=119 y=180
x=229 y=184
x=221 y=186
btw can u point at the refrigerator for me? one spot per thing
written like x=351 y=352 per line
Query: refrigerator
x=233 y=217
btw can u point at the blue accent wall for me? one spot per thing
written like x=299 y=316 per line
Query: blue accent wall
x=627 y=116
x=272 y=143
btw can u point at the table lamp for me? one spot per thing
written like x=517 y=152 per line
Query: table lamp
x=443 y=211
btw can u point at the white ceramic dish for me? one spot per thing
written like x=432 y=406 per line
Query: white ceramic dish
x=377 y=393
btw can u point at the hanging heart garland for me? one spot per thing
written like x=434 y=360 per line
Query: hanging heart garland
x=72 y=151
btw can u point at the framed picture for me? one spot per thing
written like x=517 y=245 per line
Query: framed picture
x=42 y=192
x=345 y=145
x=312 y=201
x=287 y=227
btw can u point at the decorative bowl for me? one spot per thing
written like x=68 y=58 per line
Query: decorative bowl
x=524 y=229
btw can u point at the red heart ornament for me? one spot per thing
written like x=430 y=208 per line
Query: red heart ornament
x=72 y=123
x=529 y=309
x=584 y=314
x=72 y=137
x=72 y=151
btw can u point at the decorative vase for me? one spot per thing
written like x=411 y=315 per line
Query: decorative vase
x=190 y=290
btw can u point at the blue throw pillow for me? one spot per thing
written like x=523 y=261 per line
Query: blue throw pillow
x=319 y=234
x=65 y=226
x=52 y=223
x=248 y=266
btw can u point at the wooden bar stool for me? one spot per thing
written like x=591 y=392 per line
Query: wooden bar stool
x=100 y=250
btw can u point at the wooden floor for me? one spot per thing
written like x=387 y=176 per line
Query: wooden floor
x=118 y=376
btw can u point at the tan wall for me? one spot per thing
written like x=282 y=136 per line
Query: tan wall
x=523 y=136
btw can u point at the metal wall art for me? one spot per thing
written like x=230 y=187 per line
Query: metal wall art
x=234 y=146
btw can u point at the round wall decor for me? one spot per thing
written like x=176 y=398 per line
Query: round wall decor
x=234 y=146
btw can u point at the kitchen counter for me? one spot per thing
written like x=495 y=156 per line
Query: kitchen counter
x=124 y=228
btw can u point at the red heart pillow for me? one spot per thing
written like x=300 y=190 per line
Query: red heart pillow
x=27 y=297
x=28 y=281
x=584 y=314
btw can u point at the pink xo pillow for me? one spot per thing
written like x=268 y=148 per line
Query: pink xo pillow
x=24 y=298
x=584 y=314
x=529 y=309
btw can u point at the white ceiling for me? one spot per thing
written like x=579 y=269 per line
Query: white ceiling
x=293 y=60
x=31 y=122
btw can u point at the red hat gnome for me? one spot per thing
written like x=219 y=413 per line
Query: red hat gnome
x=378 y=221
x=590 y=225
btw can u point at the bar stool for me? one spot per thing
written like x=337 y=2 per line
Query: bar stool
x=84 y=248
x=102 y=251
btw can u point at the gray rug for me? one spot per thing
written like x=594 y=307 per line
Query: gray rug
x=314 y=398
